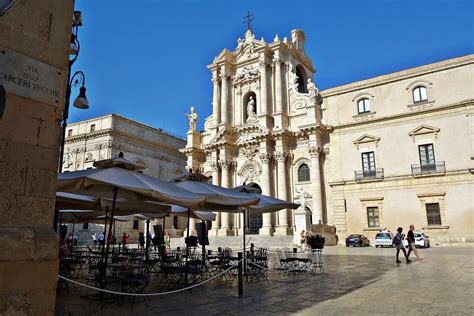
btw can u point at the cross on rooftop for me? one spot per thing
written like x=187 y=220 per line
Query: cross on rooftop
x=248 y=19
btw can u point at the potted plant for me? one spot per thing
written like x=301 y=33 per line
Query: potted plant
x=315 y=241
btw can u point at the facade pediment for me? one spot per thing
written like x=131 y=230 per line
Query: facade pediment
x=366 y=139
x=424 y=130
x=247 y=48
x=223 y=56
x=251 y=133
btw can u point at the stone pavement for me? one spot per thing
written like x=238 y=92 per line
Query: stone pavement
x=360 y=281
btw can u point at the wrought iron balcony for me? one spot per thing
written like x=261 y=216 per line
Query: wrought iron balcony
x=372 y=174
x=437 y=167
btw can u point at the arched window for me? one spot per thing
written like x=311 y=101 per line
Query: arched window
x=363 y=106
x=419 y=94
x=301 y=74
x=303 y=173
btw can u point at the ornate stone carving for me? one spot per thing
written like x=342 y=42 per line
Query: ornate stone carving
x=314 y=151
x=249 y=152
x=276 y=60
x=89 y=157
x=222 y=74
x=226 y=164
x=265 y=157
x=248 y=42
x=326 y=149
x=250 y=174
x=246 y=74
x=214 y=166
x=67 y=159
x=300 y=100
x=192 y=117
x=215 y=77
x=303 y=195
x=281 y=156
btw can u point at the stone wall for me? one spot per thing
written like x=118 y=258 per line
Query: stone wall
x=29 y=147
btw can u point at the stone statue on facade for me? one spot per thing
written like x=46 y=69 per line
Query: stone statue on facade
x=192 y=117
x=303 y=195
x=251 y=115
x=312 y=90
x=67 y=159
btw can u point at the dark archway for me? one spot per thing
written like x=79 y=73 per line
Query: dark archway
x=302 y=79
x=254 y=219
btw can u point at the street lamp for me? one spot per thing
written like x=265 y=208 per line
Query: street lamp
x=75 y=80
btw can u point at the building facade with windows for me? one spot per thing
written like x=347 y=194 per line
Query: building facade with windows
x=401 y=152
x=105 y=137
x=379 y=153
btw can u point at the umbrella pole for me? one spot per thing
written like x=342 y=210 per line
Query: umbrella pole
x=245 y=250
x=115 y=189
x=163 y=246
x=146 y=238
x=113 y=236
x=73 y=226
x=187 y=248
x=203 y=232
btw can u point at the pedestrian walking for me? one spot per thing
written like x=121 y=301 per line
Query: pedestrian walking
x=141 y=241
x=167 y=241
x=398 y=242
x=75 y=239
x=302 y=239
x=124 y=239
x=101 y=239
x=411 y=243
x=94 y=239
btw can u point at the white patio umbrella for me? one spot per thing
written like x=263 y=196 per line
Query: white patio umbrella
x=217 y=198
x=266 y=204
x=120 y=178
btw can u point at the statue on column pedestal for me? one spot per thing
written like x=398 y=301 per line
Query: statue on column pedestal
x=192 y=117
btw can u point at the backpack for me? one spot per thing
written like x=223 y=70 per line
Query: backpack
x=396 y=241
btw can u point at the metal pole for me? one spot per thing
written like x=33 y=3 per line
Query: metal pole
x=146 y=239
x=241 y=279
x=115 y=189
x=203 y=232
x=187 y=250
x=245 y=250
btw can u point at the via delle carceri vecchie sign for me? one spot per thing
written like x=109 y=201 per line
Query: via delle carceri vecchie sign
x=31 y=78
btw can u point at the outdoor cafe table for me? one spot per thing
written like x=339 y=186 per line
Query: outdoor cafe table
x=298 y=261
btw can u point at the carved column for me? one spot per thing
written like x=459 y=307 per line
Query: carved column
x=216 y=224
x=224 y=97
x=216 y=106
x=315 y=174
x=278 y=91
x=283 y=228
x=226 y=167
x=263 y=86
x=267 y=228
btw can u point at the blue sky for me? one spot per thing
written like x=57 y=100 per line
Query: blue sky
x=146 y=59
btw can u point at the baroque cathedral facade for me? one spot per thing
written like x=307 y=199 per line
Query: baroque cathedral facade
x=360 y=156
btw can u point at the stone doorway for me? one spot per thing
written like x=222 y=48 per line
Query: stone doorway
x=254 y=219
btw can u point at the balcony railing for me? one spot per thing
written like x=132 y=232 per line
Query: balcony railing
x=372 y=174
x=437 y=167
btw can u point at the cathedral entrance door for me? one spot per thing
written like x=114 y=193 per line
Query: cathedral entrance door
x=255 y=222
x=254 y=219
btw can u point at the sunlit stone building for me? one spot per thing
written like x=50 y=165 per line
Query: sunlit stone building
x=380 y=153
x=105 y=137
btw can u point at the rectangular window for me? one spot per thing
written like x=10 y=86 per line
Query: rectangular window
x=433 y=214
x=427 y=158
x=135 y=224
x=92 y=127
x=373 y=217
x=85 y=226
x=368 y=164
x=69 y=133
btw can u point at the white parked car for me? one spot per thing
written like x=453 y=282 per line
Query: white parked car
x=421 y=239
x=384 y=239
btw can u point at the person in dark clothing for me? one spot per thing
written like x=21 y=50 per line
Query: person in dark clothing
x=411 y=243
x=398 y=242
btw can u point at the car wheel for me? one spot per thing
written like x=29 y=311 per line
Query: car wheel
x=376 y=246
x=347 y=245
